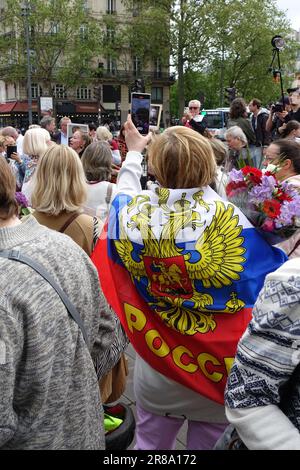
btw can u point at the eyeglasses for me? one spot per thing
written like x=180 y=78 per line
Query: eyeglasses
x=193 y=107
x=271 y=159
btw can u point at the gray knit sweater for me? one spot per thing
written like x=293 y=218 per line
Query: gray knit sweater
x=49 y=395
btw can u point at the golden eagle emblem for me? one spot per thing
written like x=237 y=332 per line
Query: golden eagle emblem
x=176 y=277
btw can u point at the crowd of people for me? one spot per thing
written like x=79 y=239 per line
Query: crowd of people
x=211 y=307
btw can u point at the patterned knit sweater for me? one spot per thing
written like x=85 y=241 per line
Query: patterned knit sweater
x=49 y=390
x=267 y=357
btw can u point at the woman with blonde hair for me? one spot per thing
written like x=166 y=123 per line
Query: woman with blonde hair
x=35 y=143
x=103 y=134
x=59 y=194
x=182 y=269
x=96 y=161
x=58 y=197
x=79 y=141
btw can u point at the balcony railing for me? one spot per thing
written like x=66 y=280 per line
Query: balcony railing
x=122 y=75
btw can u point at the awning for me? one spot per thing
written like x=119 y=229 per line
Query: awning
x=7 y=107
x=16 y=107
x=86 y=108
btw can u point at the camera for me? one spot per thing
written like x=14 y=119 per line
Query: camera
x=277 y=108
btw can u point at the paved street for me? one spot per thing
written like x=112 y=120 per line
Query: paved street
x=128 y=398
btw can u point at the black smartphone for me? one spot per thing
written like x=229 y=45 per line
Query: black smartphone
x=140 y=111
x=10 y=149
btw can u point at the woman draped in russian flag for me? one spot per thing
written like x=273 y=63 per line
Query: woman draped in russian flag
x=182 y=268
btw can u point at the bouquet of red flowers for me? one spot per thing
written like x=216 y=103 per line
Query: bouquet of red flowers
x=271 y=206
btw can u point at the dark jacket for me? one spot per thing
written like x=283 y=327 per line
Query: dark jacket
x=263 y=137
x=198 y=126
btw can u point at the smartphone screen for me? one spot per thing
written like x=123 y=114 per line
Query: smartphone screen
x=140 y=111
x=10 y=149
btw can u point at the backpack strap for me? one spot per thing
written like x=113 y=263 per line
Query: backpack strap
x=68 y=222
x=16 y=255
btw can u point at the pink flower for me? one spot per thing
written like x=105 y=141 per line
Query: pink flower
x=268 y=225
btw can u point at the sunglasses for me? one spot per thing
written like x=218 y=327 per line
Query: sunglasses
x=193 y=107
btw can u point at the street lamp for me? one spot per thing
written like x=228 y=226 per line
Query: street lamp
x=278 y=44
x=25 y=14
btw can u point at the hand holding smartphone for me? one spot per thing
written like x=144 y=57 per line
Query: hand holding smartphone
x=10 y=149
x=140 y=111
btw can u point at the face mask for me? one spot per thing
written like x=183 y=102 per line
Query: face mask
x=272 y=168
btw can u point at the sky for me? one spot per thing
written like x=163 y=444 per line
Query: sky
x=292 y=8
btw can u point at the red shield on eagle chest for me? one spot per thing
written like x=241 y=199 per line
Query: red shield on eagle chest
x=168 y=276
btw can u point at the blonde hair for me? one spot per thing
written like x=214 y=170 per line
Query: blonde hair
x=219 y=149
x=96 y=161
x=103 y=133
x=35 y=141
x=182 y=158
x=59 y=181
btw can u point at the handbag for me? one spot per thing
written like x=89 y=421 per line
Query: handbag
x=113 y=384
x=290 y=394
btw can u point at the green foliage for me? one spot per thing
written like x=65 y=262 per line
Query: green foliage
x=62 y=37
x=233 y=44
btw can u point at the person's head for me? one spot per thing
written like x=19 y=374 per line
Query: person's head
x=181 y=158
x=8 y=204
x=103 y=133
x=79 y=141
x=220 y=150
x=92 y=130
x=10 y=131
x=291 y=130
x=48 y=123
x=63 y=124
x=238 y=108
x=235 y=138
x=285 y=154
x=254 y=106
x=295 y=99
x=194 y=107
x=36 y=141
x=59 y=182
x=5 y=141
x=96 y=161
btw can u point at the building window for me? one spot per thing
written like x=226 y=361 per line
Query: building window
x=158 y=68
x=83 y=31
x=36 y=90
x=111 y=93
x=59 y=91
x=84 y=93
x=136 y=66
x=111 y=65
x=54 y=28
x=136 y=8
x=110 y=34
x=111 y=7
x=157 y=94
